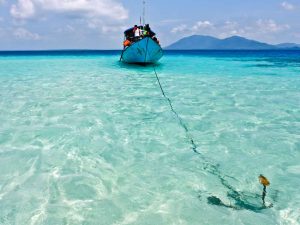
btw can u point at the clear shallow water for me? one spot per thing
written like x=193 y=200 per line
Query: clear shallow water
x=86 y=140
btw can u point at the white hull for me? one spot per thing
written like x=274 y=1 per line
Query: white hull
x=144 y=51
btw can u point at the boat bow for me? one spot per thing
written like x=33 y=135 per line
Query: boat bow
x=144 y=51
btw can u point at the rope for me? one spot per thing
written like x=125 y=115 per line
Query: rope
x=182 y=124
x=239 y=197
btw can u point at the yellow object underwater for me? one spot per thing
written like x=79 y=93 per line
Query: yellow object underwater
x=263 y=180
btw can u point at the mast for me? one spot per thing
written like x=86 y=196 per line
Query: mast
x=144 y=11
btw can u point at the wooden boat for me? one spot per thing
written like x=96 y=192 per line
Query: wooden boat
x=142 y=47
x=143 y=51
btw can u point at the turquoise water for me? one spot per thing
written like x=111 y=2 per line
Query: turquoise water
x=87 y=140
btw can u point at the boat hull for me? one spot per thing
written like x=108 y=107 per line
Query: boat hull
x=145 y=51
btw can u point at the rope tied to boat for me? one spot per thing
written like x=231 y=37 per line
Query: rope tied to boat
x=181 y=122
x=238 y=196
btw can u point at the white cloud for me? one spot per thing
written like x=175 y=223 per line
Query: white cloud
x=105 y=27
x=70 y=28
x=114 y=29
x=197 y=27
x=287 y=6
x=179 y=29
x=230 y=25
x=23 y=10
x=200 y=25
x=112 y=9
x=267 y=26
x=21 y=33
x=260 y=29
x=231 y=32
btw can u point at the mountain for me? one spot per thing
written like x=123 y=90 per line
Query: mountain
x=195 y=42
x=288 y=45
x=200 y=42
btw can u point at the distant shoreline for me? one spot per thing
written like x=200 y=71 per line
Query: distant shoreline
x=166 y=50
x=207 y=52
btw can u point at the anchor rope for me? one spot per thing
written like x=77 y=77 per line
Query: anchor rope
x=181 y=122
x=210 y=167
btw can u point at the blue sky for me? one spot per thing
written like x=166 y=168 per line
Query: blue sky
x=99 y=24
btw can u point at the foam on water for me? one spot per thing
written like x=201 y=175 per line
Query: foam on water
x=86 y=140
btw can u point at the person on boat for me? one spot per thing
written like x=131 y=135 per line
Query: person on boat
x=150 y=33
x=147 y=29
x=145 y=32
x=136 y=32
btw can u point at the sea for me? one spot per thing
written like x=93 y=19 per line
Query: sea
x=86 y=139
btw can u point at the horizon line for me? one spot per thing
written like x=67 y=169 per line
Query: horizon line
x=165 y=49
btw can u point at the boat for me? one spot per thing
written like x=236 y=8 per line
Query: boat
x=143 y=51
x=141 y=48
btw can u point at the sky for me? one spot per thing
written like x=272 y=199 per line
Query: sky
x=99 y=24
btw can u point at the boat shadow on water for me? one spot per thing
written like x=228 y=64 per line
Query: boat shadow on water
x=139 y=66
